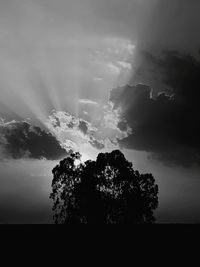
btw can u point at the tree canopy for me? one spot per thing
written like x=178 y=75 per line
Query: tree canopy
x=104 y=191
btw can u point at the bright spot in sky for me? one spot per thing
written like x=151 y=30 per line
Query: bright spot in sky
x=84 y=157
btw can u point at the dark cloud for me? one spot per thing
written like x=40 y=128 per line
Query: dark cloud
x=172 y=71
x=96 y=144
x=57 y=123
x=83 y=126
x=123 y=126
x=165 y=125
x=21 y=139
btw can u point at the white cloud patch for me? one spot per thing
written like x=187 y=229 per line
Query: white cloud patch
x=72 y=132
x=114 y=70
x=78 y=134
x=108 y=125
x=125 y=65
x=87 y=101
x=112 y=59
x=98 y=79
x=120 y=46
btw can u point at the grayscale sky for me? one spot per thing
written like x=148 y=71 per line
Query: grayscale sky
x=96 y=65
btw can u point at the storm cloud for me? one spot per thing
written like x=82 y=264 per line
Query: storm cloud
x=19 y=139
x=166 y=122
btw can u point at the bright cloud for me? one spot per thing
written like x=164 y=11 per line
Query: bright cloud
x=113 y=59
x=87 y=101
x=124 y=65
x=80 y=135
x=113 y=68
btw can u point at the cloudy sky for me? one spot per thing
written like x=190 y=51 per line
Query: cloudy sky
x=96 y=75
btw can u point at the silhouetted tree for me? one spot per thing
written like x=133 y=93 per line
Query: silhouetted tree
x=107 y=190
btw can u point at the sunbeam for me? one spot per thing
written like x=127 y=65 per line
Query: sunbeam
x=60 y=75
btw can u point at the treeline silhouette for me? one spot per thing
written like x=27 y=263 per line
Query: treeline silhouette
x=105 y=191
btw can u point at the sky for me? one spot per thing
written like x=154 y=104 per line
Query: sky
x=93 y=76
